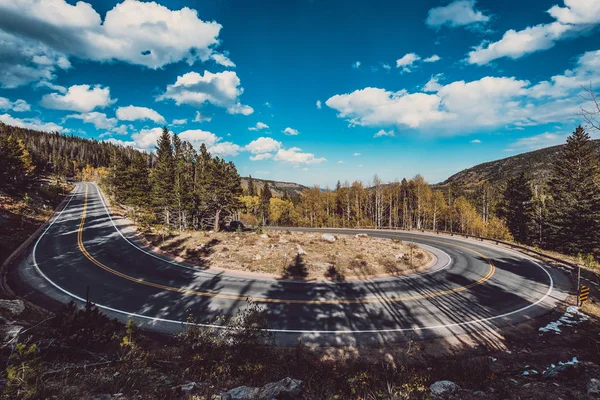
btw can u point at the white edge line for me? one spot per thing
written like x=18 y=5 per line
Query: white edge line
x=419 y=328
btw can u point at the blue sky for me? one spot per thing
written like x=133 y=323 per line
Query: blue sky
x=306 y=91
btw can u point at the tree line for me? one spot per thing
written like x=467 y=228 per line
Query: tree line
x=180 y=188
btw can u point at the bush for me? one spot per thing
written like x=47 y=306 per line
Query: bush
x=23 y=374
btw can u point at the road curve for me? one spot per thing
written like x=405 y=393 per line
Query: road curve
x=474 y=287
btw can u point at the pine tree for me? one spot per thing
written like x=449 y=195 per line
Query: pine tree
x=138 y=175
x=225 y=188
x=265 y=203
x=163 y=178
x=574 y=206
x=517 y=208
x=251 y=188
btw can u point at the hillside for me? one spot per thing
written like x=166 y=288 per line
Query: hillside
x=536 y=165
x=277 y=188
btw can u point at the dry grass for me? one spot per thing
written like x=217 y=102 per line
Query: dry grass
x=294 y=254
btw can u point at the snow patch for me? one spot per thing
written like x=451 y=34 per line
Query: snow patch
x=571 y=317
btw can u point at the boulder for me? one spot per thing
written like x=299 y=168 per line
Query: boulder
x=328 y=237
x=9 y=332
x=593 y=387
x=241 y=393
x=301 y=251
x=286 y=388
x=264 y=236
x=569 y=369
x=12 y=307
x=361 y=235
x=443 y=389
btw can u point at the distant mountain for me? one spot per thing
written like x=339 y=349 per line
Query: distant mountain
x=277 y=188
x=536 y=165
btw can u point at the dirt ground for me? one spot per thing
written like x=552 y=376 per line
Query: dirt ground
x=295 y=255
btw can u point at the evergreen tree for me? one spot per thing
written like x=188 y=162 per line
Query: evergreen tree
x=138 y=175
x=251 y=188
x=517 y=208
x=16 y=166
x=225 y=188
x=163 y=178
x=574 y=206
x=265 y=203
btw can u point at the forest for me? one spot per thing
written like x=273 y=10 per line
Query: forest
x=178 y=187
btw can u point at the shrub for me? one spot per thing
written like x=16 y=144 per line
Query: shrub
x=23 y=374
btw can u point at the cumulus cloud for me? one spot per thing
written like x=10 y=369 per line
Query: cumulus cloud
x=182 y=121
x=221 y=89
x=201 y=118
x=466 y=106
x=291 y=131
x=143 y=33
x=124 y=143
x=81 y=98
x=32 y=123
x=19 y=105
x=258 y=126
x=146 y=138
x=224 y=149
x=383 y=132
x=295 y=156
x=262 y=156
x=263 y=145
x=537 y=142
x=319 y=104
x=198 y=137
x=222 y=60
x=576 y=18
x=458 y=13
x=387 y=67
x=98 y=119
x=475 y=141
x=355 y=154
x=133 y=113
x=407 y=61
x=356 y=64
x=432 y=59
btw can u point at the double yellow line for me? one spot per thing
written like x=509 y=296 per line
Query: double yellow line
x=82 y=248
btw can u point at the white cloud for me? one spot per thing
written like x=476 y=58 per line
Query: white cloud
x=134 y=113
x=340 y=162
x=291 y=131
x=360 y=165
x=433 y=84
x=262 y=156
x=319 y=104
x=258 y=126
x=356 y=65
x=267 y=104
x=221 y=89
x=263 y=145
x=179 y=121
x=382 y=132
x=197 y=137
x=407 y=61
x=475 y=141
x=576 y=18
x=432 y=59
x=537 y=142
x=355 y=154
x=51 y=86
x=222 y=60
x=143 y=33
x=201 y=118
x=146 y=138
x=81 y=98
x=123 y=143
x=295 y=156
x=32 y=123
x=122 y=129
x=387 y=67
x=224 y=149
x=99 y=120
x=458 y=13
x=17 y=105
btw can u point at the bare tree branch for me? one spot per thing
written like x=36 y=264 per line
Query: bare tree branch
x=591 y=116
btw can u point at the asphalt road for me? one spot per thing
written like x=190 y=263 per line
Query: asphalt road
x=473 y=288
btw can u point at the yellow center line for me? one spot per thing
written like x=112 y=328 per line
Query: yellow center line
x=82 y=248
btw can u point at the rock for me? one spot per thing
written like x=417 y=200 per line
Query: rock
x=104 y=396
x=241 y=393
x=286 y=388
x=264 y=236
x=399 y=256
x=301 y=251
x=328 y=237
x=9 y=332
x=443 y=389
x=593 y=387
x=570 y=369
x=118 y=396
x=361 y=235
x=12 y=307
x=257 y=257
